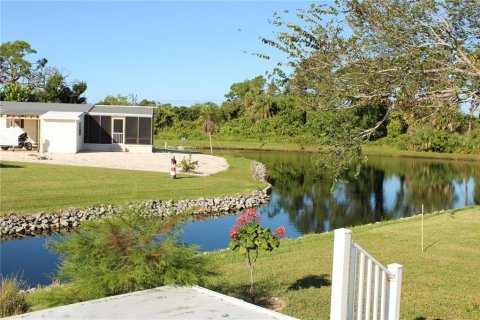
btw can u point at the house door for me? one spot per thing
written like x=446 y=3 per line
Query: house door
x=117 y=130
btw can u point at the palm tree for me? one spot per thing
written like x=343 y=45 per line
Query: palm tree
x=208 y=123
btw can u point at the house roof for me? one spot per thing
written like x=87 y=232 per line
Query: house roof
x=57 y=115
x=123 y=110
x=39 y=108
x=161 y=303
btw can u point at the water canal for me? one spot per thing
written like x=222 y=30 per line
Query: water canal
x=387 y=188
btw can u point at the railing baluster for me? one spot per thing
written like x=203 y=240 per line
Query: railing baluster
x=342 y=248
x=361 y=273
x=356 y=277
x=383 y=300
x=369 y=290
x=395 y=288
x=375 y=293
x=351 y=290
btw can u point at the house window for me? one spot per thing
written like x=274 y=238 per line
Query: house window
x=80 y=128
x=20 y=123
x=12 y=123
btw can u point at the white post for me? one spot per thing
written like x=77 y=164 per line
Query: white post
x=395 y=287
x=341 y=264
x=422 y=230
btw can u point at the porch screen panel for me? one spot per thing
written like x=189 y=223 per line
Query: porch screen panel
x=131 y=130
x=85 y=128
x=118 y=126
x=106 y=129
x=144 y=131
x=93 y=130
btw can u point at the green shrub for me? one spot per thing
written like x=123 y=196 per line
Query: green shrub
x=126 y=253
x=187 y=165
x=395 y=128
x=240 y=127
x=12 y=299
x=247 y=237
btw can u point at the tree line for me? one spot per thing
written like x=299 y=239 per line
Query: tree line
x=395 y=73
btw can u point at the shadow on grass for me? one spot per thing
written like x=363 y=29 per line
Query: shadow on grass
x=183 y=177
x=262 y=289
x=8 y=166
x=311 y=281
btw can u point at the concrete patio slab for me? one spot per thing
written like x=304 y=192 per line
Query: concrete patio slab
x=160 y=303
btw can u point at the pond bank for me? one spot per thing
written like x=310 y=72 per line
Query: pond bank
x=14 y=226
x=368 y=149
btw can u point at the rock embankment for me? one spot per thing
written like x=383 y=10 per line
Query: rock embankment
x=53 y=223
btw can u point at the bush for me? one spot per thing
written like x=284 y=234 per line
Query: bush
x=12 y=299
x=395 y=128
x=247 y=237
x=187 y=165
x=240 y=127
x=126 y=253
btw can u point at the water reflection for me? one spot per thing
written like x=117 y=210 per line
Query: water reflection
x=386 y=188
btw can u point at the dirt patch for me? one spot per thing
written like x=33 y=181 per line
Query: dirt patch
x=272 y=303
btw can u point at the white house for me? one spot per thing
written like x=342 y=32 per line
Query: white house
x=70 y=128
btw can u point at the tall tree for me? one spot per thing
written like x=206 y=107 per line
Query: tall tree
x=208 y=116
x=118 y=100
x=414 y=58
x=22 y=80
x=15 y=92
x=147 y=103
x=57 y=90
x=13 y=65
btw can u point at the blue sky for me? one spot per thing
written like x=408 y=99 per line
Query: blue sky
x=180 y=52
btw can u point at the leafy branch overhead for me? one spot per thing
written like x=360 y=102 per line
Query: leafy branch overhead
x=413 y=57
x=417 y=60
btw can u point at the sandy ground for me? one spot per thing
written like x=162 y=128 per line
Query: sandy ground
x=156 y=161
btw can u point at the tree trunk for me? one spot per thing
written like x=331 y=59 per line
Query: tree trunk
x=250 y=266
x=469 y=132
x=211 y=148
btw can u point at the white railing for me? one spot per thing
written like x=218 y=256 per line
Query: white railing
x=118 y=138
x=352 y=296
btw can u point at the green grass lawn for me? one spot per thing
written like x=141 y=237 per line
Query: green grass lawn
x=392 y=152
x=29 y=187
x=244 y=144
x=437 y=284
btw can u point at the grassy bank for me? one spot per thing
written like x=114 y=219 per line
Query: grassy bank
x=391 y=152
x=290 y=146
x=243 y=144
x=30 y=187
x=437 y=284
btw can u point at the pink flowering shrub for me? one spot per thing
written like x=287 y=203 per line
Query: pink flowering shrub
x=248 y=238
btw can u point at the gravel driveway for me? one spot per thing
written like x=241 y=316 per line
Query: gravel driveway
x=156 y=161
